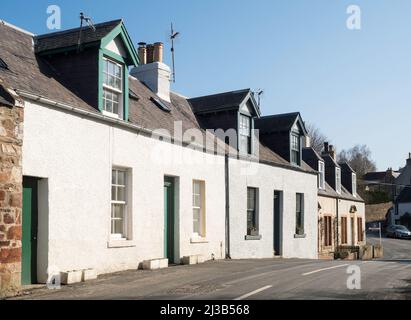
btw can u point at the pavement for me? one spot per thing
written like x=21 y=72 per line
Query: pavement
x=265 y=279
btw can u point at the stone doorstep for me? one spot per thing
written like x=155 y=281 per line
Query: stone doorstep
x=193 y=259
x=155 y=264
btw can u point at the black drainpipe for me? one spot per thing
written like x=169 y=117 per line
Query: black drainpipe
x=227 y=208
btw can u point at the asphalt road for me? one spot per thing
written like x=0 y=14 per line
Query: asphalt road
x=388 y=278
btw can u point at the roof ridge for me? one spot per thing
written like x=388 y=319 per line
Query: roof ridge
x=221 y=93
x=5 y=23
x=59 y=33
x=279 y=115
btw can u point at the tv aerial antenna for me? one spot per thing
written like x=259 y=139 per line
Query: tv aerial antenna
x=89 y=22
x=259 y=93
x=173 y=36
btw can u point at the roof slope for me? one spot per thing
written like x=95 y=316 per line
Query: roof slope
x=218 y=101
x=69 y=38
x=276 y=123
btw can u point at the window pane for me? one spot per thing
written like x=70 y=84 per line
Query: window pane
x=117 y=227
x=196 y=200
x=250 y=199
x=121 y=194
x=121 y=178
x=113 y=193
x=196 y=187
x=118 y=211
x=113 y=176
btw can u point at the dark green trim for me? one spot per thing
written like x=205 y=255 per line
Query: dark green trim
x=122 y=31
x=100 y=80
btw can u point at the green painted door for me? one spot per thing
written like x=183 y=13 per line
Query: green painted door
x=169 y=218
x=29 y=232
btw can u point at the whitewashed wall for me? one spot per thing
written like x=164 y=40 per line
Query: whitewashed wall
x=268 y=179
x=344 y=211
x=76 y=155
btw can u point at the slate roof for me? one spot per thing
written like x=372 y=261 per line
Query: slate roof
x=346 y=166
x=220 y=101
x=277 y=123
x=404 y=196
x=30 y=73
x=69 y=38
x=375 y=176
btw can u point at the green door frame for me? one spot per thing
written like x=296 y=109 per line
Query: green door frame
x=29 y=231
x=169 y=189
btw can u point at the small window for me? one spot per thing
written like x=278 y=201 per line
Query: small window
x=118 y=204
x=328 y=231
x=321 y=175
x=354 y=184
x=3 y=65
x=160 y=104
x=245 y=134
x=338 y=180
x=112 y=88
x=199 y=208
x=252 y=212
x=299 y=225
x=295 y=149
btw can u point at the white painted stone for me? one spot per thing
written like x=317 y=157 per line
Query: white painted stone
x=200 y=258
x=89 y=274
x=70 y=277
x=155 y=264
x=189 y=260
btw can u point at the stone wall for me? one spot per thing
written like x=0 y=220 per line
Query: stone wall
x=11 y=139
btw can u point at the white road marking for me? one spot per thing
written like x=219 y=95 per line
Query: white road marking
x=252 y=293
x=324 y=269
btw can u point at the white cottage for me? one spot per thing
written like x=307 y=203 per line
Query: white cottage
x=117 y=170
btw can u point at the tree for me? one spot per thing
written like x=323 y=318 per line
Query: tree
x=317 y=138
x=359 y=158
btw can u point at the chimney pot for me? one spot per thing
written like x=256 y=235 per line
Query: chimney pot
x=158 y=52
x=142 y=52
x=150 y=53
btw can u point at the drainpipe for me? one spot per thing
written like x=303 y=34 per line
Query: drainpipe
x=227 y=208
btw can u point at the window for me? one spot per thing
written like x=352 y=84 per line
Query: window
x=252 y=212
x=328 y=231
x=354 y=184
x=118 y=204
x=338 y=180
x=321 y=175
x=112 y=87
x=295 y=149
x=245 y=134
x=299 y=225
x=360 y=236
x=344 y=238
x=199 y=208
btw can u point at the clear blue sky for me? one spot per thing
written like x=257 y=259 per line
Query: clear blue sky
x=354 y=85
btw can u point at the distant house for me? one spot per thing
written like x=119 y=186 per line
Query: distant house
x=341 y=211
x=382 y=182
x=402 y=208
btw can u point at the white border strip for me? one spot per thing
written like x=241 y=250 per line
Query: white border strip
x=253 y=293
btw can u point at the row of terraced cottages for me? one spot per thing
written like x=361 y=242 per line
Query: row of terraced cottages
x=103 y=167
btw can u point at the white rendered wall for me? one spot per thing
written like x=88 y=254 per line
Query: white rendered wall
x=76 y=155
x=268 y=179
x=344 y=207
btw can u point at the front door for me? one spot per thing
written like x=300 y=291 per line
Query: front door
x=277 y=223
x=169 y=218
x=29 y=232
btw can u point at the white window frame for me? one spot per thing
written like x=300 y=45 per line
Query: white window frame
x=354 y=184
x=113 y=90
x=201 y=233
x=338 y=180
x=244 y=131
x=321 y=175
x=295 y=149
x=116 y=202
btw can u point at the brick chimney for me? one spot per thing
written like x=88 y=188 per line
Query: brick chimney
x=329 y=150
x=154 y=73
x=409 y=160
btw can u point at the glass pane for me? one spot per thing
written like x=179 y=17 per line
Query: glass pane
x=118 y=211
x=121 y=178
x=251 y=199
x=196 y=227
x=121 y=194
x=196 y=187
x=115 y=107
x=117 y=226
x=298 y=202
x=113 y=193
x=113 y=176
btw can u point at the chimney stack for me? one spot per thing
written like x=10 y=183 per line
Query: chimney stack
x=409 y=160
x=142 y=53
x=152 y=71
x=329 y=150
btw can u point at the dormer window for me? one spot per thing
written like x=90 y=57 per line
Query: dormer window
x=295 y=149
x=338 y=180
x=354 y=184
x=321 y=175
x=112 y=88
x=245 y=134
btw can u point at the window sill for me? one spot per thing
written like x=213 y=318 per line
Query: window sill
x=195 y=240
x=300 y=236
x=259 y=237
x=119 y=243
x=110 y=114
